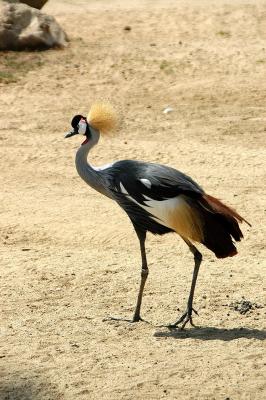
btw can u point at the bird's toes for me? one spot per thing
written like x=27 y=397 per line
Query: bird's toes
x=184 y=319
x=137 y=318
x=110 y=318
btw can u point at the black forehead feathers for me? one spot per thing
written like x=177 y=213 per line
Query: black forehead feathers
x=76 y=119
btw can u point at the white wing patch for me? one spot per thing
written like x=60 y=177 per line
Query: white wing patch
x=146 y=182
x=163 y=209
x=159 y=209
x=174 y=213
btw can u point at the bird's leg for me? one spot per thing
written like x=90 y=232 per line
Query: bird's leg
x=187 y=316
x=144 y=274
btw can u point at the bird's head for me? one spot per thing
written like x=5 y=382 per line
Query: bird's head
x=101 y=119
x=80 y=126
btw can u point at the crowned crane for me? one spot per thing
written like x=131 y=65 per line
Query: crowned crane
x=158 y=199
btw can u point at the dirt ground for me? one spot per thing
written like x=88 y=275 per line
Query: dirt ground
x=70 y=257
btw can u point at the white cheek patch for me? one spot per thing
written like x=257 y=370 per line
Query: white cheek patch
x=82 y=126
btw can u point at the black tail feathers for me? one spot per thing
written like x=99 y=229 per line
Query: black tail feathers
x=220 y=226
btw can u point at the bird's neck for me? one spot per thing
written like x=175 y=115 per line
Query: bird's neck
x=87 y=172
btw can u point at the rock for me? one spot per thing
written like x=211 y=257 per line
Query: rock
x=23 y=27
x=34 y=3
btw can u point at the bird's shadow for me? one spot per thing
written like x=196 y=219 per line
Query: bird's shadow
x=211 y=333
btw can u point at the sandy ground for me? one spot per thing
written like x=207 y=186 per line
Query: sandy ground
x=69 y=256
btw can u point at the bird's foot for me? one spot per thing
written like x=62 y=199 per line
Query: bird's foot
x=134 y=319
x=137 y=318
x=184 y=319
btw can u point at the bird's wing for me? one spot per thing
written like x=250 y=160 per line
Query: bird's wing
x=153 y=181
x=155 y=197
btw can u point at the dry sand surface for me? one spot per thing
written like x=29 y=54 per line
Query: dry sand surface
x=70 y=257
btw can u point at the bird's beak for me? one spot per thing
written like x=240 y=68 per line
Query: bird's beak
x=70 y=133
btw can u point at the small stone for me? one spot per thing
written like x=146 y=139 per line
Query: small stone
x=127 y=28
x=168 y=110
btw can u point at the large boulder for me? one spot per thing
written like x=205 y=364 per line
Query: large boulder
x=34 y=3
x=23 y=27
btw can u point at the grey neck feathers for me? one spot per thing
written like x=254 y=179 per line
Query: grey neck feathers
x=87 y=172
